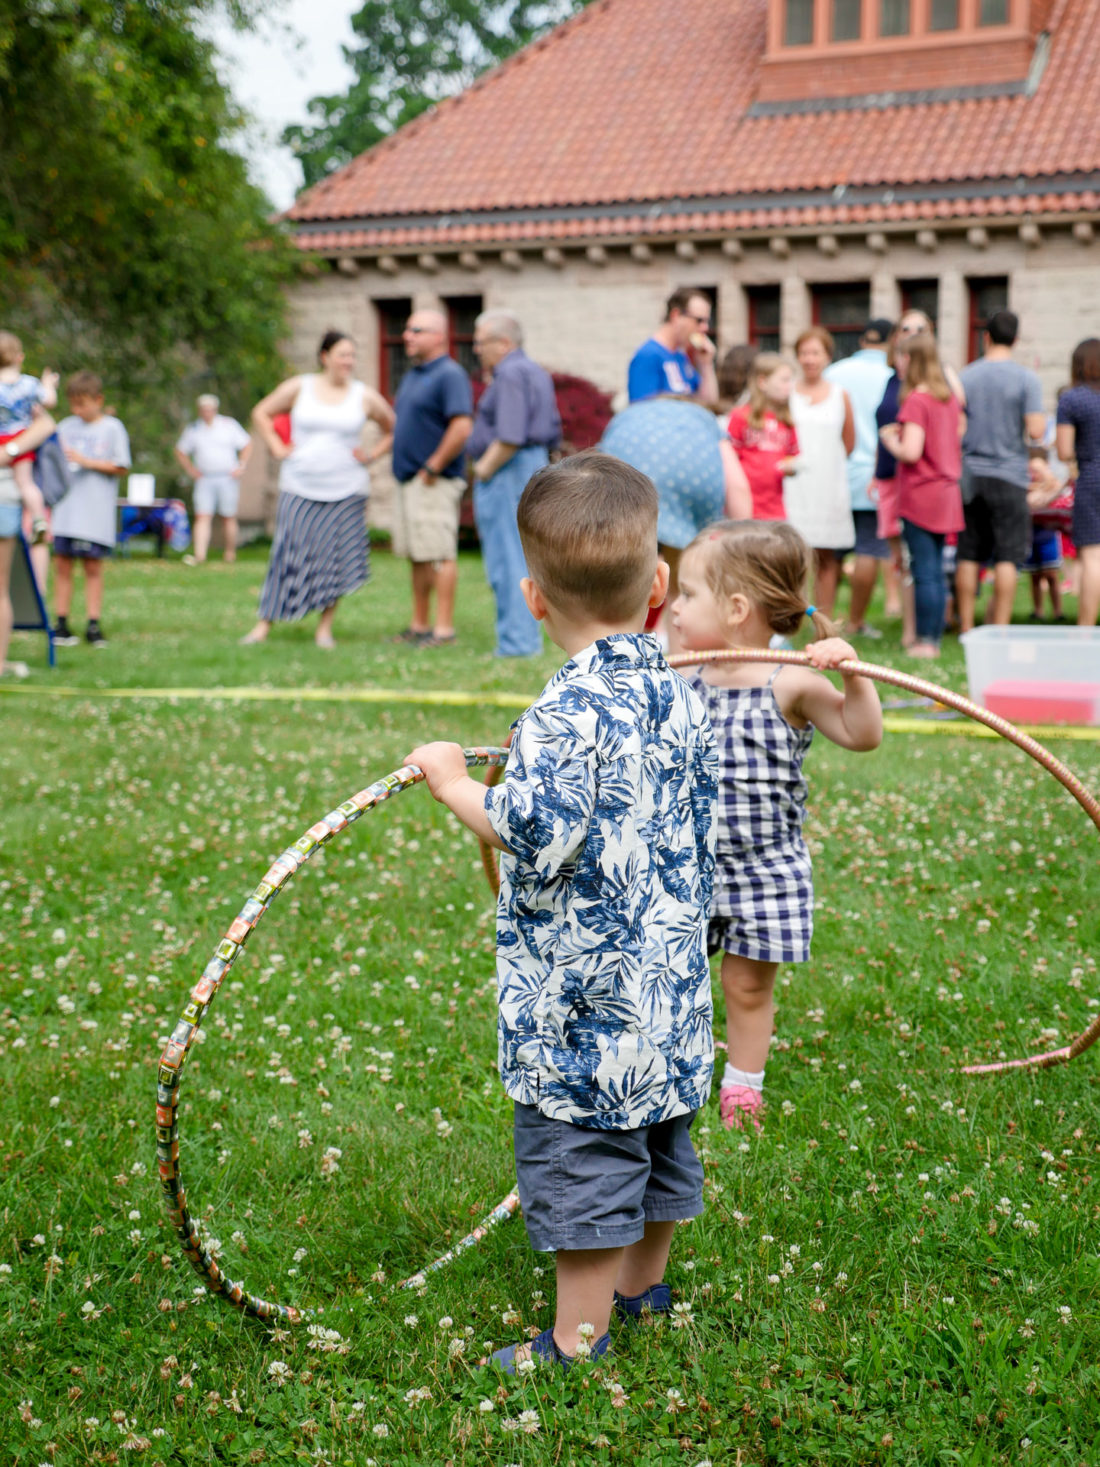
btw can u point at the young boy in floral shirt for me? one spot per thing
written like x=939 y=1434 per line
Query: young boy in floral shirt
x=606 y=820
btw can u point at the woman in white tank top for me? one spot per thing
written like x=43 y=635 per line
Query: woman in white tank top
x=320 y=551
x=816 y=498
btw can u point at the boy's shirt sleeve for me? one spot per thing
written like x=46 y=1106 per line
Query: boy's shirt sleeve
x=542 y=809
x=118 y=451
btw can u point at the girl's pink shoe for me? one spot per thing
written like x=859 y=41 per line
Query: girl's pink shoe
x=738 y=1104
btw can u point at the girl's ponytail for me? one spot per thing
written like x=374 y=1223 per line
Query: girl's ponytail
x=823 y=627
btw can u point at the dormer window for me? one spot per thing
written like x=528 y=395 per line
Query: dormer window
x=823 y=49
x=847 y=20
x=799 y=30
x=944 y=15
x=894 y=18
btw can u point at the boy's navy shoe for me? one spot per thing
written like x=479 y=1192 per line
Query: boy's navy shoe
x=93 y=636
x=545 y=1347
x=62 y=636
x=658 y=1300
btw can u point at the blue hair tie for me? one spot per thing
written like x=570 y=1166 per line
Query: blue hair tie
x=810 y=610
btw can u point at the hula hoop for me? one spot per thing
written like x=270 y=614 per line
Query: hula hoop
x=174 y=1056
x=919 y=685
x=1009 y=731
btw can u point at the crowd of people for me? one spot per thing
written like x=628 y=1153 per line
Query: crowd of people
x=887 y=461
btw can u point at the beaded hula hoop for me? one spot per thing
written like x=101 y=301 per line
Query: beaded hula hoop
x=909 y=683
x=174 y=1056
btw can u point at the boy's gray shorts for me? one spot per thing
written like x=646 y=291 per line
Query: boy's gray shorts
x=584 y=1188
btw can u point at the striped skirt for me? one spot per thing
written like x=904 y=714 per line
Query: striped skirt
x=320 y=553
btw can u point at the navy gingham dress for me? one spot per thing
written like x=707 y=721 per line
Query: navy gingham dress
x=763 y=904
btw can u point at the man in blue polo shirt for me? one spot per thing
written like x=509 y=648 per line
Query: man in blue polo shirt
x=663 y=364
x=517 y=425
x=434 y=408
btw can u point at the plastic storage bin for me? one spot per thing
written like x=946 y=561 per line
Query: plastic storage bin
x=1035 y=674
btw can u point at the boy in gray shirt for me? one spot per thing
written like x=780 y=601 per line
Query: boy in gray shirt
x=98 y=451
x=1004 y=411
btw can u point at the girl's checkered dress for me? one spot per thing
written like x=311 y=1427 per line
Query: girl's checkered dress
x=763 y=904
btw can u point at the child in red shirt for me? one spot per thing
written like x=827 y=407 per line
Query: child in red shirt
x=763 y=435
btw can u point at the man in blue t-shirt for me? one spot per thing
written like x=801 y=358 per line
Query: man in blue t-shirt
x=435 y=413
x=664 y=364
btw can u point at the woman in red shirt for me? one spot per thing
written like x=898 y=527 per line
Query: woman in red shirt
x=926 y=441
x=763 y=435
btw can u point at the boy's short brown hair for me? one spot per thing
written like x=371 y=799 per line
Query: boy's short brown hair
x=84 y=384
x=11 y=348
x=589 y=532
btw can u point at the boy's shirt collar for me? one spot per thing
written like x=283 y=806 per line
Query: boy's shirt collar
x=625 y=649
x=621 y=649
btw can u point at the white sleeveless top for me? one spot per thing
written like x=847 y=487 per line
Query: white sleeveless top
x=816 y=498
x=321 y=464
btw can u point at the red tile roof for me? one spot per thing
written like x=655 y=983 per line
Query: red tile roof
x=638 y=101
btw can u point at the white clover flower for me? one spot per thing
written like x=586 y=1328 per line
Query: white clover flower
x=279 y=1371
x=446 y=1322
x=485 y=1407
x=87 y=1307
x=411 y=1320
x=682 y=1316
x=583 y=1350
x=586 y=1331
x=381 y=1429
x=416 y=1395
x=526 y=1367
x=529 y=1422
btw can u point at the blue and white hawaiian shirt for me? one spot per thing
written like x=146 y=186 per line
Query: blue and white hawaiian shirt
x=608 y=810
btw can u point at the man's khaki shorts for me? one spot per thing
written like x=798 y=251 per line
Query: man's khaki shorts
x=425 y=519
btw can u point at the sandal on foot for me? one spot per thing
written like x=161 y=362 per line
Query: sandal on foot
x=435 y=640
x=657 y=1300
x=250 y=639
x=545 y=1347
x=738 y=1104
x=412 y=635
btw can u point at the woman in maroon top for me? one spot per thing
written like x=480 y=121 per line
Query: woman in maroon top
x=925 y=440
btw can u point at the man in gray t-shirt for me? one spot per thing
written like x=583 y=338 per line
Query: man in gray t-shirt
x=1004 y=412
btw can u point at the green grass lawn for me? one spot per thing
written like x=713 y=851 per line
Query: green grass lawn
x=904 y=1267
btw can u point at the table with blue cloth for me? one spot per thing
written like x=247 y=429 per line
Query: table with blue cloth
x=677 y=444
x=164 y=519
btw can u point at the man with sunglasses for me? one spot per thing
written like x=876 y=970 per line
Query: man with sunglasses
x=678 y=358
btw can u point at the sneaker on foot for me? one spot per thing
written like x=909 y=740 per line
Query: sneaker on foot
x=16 y=670
x=871 y=633
x=93 y=636
x=63 y=636
x=738 y=1104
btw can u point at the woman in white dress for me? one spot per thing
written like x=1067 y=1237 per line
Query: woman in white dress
x=320 y=551
x=816 y=497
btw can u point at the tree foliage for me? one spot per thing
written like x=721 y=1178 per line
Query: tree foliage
x=411 y=54
x=131 y=240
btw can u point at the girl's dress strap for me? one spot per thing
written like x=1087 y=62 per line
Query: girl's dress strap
x=775 y=674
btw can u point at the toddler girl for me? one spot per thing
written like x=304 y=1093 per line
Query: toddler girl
x=19 y=395
x=741 y=583
x=763 y=436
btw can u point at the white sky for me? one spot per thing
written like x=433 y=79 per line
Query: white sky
x=293 y=54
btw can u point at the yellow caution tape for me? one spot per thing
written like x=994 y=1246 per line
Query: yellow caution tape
x=893 y=722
